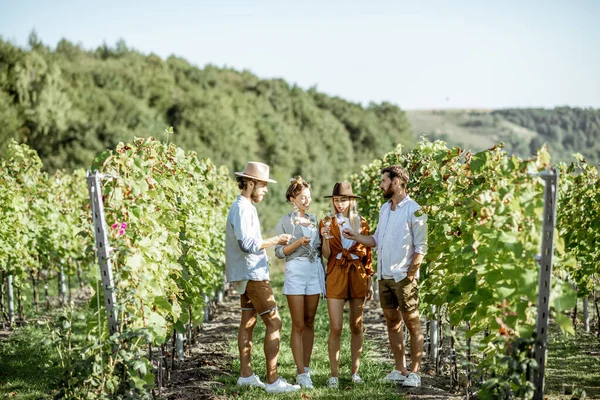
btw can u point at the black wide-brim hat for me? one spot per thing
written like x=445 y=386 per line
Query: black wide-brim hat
x=343 y=189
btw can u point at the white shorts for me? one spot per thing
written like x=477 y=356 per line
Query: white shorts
x=303 y=277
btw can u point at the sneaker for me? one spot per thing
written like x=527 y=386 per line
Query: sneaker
x=304 y=381
x=394 y=376
x=307 y=371
x=252 y=380
x=281 y=386
x=412 y=380
x=357 y=379
x=333 y=383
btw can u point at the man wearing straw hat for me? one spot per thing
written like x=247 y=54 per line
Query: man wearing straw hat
x=401 y=242
x=247 y=267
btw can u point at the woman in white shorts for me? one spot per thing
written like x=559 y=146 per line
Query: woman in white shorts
x=304 y=279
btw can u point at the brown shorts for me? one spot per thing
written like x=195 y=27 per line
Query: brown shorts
x=403 y=295
x=259 y=297
x=348 y=282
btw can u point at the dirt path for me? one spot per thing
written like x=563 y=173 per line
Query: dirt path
x=432 y=386
x=208 y=359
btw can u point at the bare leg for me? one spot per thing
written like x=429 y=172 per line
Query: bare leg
x=247 y=325
x=273 y=328
x=296 y=305
x=336 y=319
x=311 y=303
x=413 y=323
x=356 y=326
x=393 y=319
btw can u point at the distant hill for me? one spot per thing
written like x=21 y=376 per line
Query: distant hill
x=566 y=130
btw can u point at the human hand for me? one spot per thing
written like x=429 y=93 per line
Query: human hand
x=284 y=238
x=348 y=233
x=370 y=293
x=304 y=240
x=326 y=232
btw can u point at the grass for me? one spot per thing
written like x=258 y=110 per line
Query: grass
x=370 y=371
x=31 y=369
x=573 y=363
x=28 y=368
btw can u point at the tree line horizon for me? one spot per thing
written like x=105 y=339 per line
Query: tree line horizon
x=71 y=104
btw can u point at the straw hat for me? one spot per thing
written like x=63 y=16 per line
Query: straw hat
x=256 y=170
x=343 y=189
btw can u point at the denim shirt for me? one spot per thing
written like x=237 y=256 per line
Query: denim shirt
x=244 y=259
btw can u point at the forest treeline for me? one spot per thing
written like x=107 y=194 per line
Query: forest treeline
x=566 y=130
x=70 y=103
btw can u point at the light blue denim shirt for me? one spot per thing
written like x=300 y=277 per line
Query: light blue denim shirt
x=244 y=258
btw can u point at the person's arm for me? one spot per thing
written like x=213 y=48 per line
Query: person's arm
x=292 y=247
x=366 y=240
x=370 y=291
x=242 y=220
x=367 y=260
x=284 y=238
x=419 y=229
x=280 y=247
x=414 y=265
x=325 y=249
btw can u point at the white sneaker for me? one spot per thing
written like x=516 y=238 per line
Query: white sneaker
x=333 y=383
x=412 y=380
x=357 y=379
x=252 y=380
x=307 y=371
x=304 y=381
x=394 y=376
x=281 y=386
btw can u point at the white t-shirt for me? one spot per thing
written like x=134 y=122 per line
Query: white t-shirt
x=346 y=243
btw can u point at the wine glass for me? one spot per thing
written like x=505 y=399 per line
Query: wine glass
x=327 y=222
x=339 y=218
x=295 y=219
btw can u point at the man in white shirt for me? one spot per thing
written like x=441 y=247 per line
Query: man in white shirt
x=401 y=243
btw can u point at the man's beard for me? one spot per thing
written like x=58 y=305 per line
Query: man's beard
x=387 y=194
x=255 y=196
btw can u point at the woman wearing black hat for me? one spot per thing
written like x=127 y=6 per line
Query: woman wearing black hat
x=348 y=277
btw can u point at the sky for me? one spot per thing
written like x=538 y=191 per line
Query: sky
x=416 y=54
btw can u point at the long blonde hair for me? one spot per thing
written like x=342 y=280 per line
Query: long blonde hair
x=353 y=215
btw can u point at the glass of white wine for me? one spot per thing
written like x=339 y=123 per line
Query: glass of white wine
x=339 y=218
x=295 y=219
x=327 y=222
